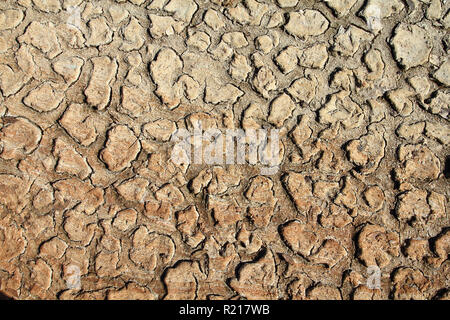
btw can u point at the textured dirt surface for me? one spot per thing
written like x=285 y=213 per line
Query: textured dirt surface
x=93 y=207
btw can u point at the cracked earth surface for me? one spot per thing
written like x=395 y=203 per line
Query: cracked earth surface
x=91 y=92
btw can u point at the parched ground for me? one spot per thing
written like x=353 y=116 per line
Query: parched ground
x=92 y=205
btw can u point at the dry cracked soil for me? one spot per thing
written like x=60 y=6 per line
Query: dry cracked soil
x=94 y=206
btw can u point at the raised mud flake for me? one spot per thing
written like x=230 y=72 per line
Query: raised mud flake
x=367 y=152
x=296 y=290
x=239 y=68
x=13 y=242
x=165 y=70
x=201 y=181
x=341 y=109
x=374 y=197
x=299 y=188
x=303 y=89
x=72 y=192
x=313 y=57
x=260 y=193
x=44 y=98
x=276 y=20
x=417 y=162
x=131 y=291
x=53 y=248
x=422 y=86
x=13 y=192
x=182 y=280
x=134 y=59
x=323 y=292
x=411 y=44
x=43 y=37
x=337 y=217
x=437 y=131
x=71 y=36
x=150 y=249
x=254 y=117
x=235 y=40
x=223 y=180
x=79 y=227
x=264 y=81
x=117 y=13
x=164 y=26
x=375 y=64
x=160 y=130
x=301 y=238
x=441 y=249
x=260 y=190
x=402 y=100
x=80 y=124
x=170 y=194
x=213 y=19
x=106 y=264
x=420 y=207
x=413 y=206
x=417 y=249
x=43 y=200
x=443 y=73
x=70 y=161
x=280 y=110
x=161 y=167
x=133 y=35
x=199 y=40
x=264 y=43
x=125 y=219
x=411 y=131
x=69 y=68
x=10 y=81
x=306 y=23
x=261 y=216
x=190 y=87
x=347 y=42
x=250 y=12
x=99 y=32
x=18 y=138
x=120 y=139
x=10 y=19
x=41 y=275
x=410 y=284
x=133 y=189
x=187 y=224
x=182 y=9
x=134 y=101
x=330 y=253
x=343 y=79
x=225 y=211
x=340 y=7
x=287 y=59
x=257 y=279
x=49 y=6
x=159 y=209
x=377 y=246
x=376 y=10
x=98 y=92
x=437 y=104
x=216 y=93
x=287 y=3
